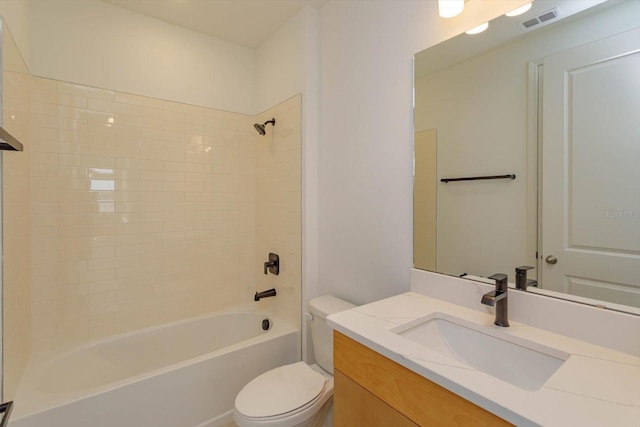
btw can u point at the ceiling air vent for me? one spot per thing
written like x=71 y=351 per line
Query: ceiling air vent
x=543 y=18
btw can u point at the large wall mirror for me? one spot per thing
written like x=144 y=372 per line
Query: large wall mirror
x=546 y=104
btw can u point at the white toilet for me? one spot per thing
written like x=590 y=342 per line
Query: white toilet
x=295 y=395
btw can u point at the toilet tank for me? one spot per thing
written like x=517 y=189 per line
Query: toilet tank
x=321 y=333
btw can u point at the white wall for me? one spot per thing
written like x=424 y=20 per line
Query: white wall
x=15 y=14
x=98 y=44
x=280 y=63
x=365 y=138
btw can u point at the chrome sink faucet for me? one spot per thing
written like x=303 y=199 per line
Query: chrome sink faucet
x=498 y=298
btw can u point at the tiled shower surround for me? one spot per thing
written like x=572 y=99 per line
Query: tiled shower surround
x=278 y=207
x=16 y=228
x=144 y=211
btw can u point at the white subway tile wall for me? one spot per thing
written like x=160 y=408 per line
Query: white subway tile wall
x=144 y=211
x=279 y=206
x=16 y=250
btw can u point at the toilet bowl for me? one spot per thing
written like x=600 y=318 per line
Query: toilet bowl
x=295 y=395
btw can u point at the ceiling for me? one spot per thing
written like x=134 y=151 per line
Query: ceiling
x=244 y=22
x=501 y=30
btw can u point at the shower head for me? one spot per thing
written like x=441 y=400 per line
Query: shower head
x=260 y=127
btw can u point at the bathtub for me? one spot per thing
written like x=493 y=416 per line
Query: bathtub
x=184 y=374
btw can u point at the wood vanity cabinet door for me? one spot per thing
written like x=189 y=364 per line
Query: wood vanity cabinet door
x=421 y=401
x=356 y=407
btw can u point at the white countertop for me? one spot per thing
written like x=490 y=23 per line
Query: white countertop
x=595 y=386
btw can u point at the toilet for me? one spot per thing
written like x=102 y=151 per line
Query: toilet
x=295 y=395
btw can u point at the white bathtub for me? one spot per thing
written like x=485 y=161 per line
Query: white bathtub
x=184 y=374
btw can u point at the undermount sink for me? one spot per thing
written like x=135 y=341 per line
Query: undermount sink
x=520 y=362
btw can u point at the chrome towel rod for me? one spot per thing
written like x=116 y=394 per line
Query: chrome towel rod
x=477 y=178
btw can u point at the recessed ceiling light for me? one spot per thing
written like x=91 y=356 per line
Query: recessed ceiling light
x=520 y=10
x=480 y=28
x=450 y=8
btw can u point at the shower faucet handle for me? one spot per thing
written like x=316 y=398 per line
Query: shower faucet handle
x=273 y=265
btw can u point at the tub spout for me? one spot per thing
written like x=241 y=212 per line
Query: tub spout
x=264 y=294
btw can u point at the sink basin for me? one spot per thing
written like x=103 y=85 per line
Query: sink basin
x=520 y=362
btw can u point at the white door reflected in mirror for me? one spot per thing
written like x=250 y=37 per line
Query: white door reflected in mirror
x=590 y=173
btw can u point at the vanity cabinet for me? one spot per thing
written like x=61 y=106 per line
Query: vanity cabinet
x=374 y=391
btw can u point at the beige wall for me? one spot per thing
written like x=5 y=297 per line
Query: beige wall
x=424 y=200
x=16 y=316
x=278 y=207
x=143 y=211
x=486 y=137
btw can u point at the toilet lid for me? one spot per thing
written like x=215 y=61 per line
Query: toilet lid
x=280 y=390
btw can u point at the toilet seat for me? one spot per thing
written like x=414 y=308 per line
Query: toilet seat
x=298 y=417
x=281 y=392
x=287 y=418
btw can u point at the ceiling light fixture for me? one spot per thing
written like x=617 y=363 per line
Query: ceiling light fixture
x=520 y=10
x=450 y=8
x=480 y=28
